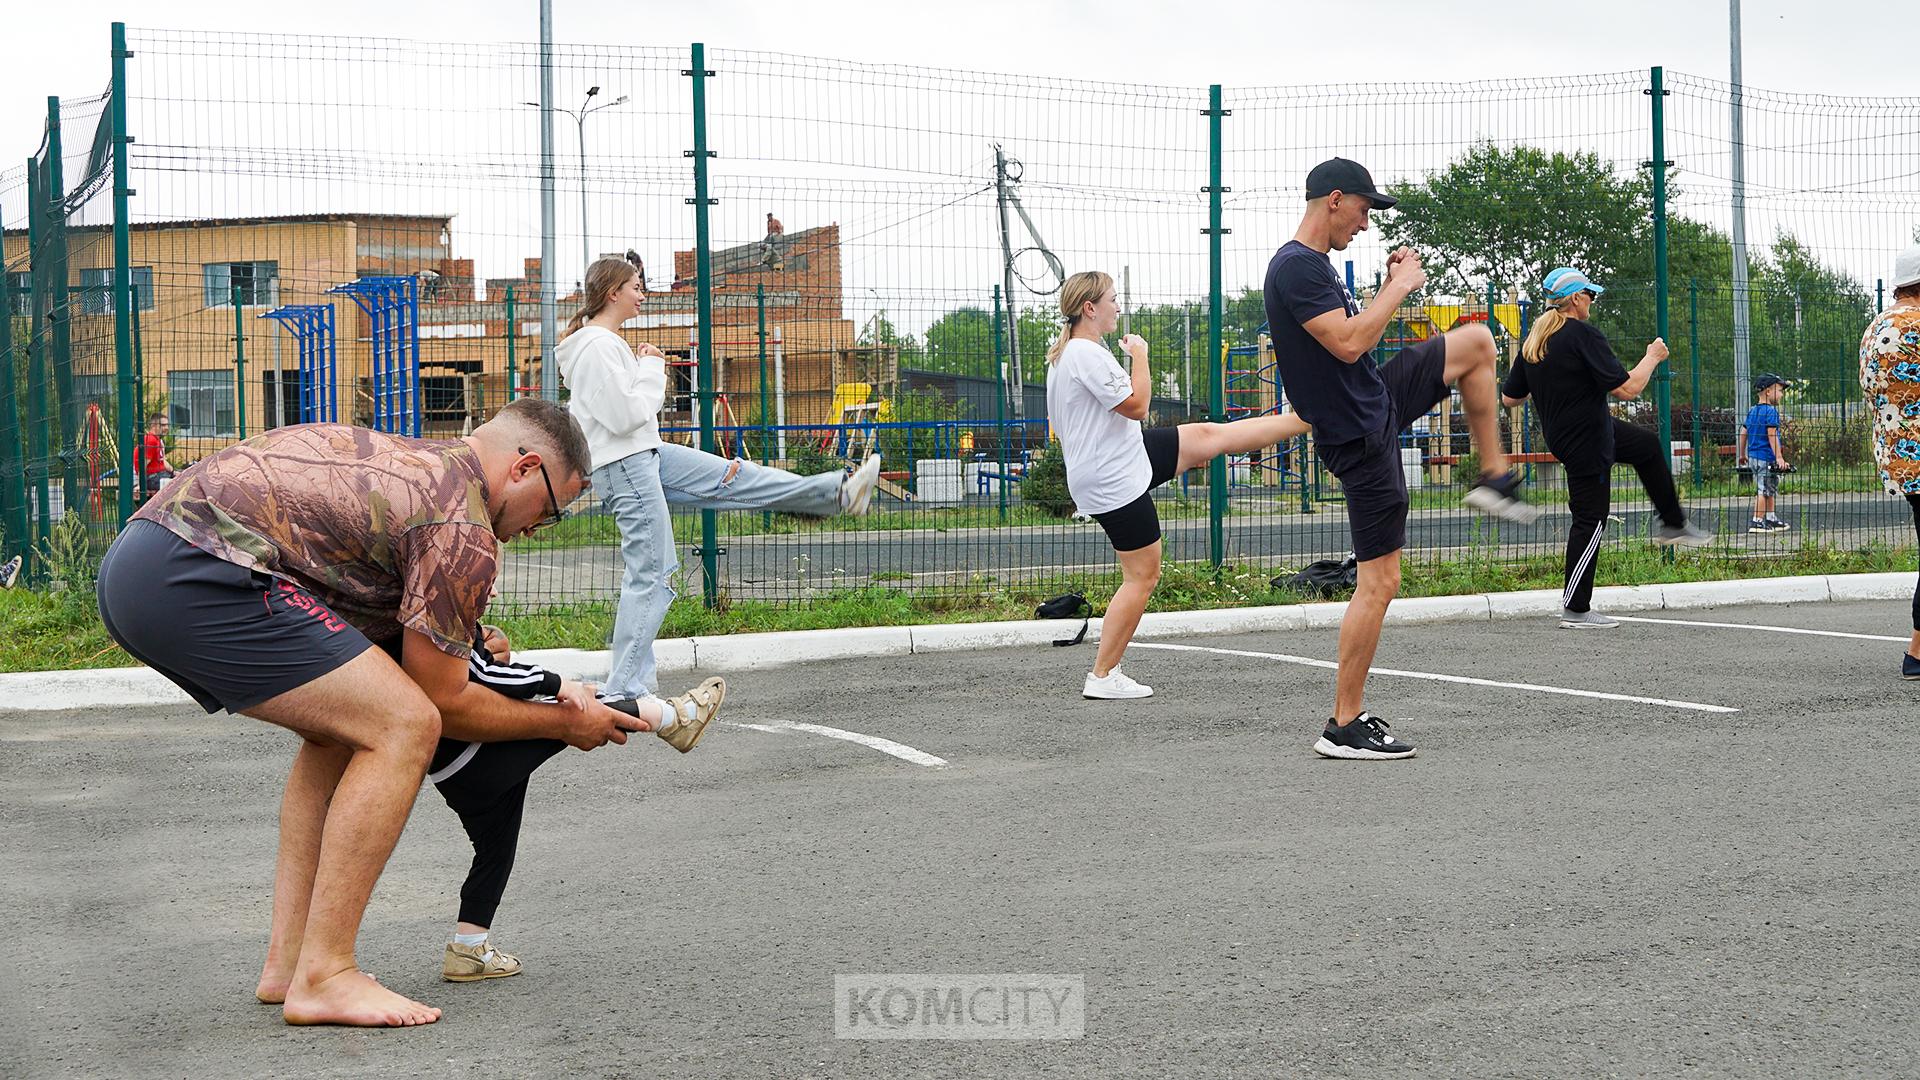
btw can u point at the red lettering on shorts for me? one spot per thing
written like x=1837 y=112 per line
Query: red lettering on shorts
x=295 y=598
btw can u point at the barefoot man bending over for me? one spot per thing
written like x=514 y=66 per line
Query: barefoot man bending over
x=259 y=581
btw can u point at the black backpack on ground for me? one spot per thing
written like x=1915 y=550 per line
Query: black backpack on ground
x=1326 y=578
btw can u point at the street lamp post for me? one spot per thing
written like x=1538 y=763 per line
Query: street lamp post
x=587 y=108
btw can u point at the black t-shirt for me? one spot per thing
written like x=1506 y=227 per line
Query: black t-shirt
x=1569 y=387
x=1342 y=401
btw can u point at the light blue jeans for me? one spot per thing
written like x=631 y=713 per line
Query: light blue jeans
x=635 y=491
x=695 y=478
x=630 y=492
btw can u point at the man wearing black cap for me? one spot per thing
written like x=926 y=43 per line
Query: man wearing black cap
x=1323 y=342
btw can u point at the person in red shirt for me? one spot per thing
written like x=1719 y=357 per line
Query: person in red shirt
x=154 y=469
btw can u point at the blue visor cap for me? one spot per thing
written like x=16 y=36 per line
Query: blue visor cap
x=1566 y=281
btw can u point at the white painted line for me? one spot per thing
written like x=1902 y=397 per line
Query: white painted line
x=872 y=742
x=1769 y=629
x=1430 y=676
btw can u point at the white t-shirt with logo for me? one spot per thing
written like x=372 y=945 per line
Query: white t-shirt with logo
x=1107 y=465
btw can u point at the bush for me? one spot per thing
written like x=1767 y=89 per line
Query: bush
x=1829 y=440
x=807 y=459
x=1045 y=486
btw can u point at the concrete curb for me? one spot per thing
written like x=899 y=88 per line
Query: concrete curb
x=111 y=687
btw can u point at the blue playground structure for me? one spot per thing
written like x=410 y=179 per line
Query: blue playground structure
x=392 y=305
x=312 y=329
x=1250 y=376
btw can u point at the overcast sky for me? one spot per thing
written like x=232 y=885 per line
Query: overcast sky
x=1789 y=44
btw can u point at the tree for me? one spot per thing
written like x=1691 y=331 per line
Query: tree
x=880 y=331
x=961 y=343
x=1510 y=215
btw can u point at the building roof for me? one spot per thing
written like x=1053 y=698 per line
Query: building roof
x=270 y=219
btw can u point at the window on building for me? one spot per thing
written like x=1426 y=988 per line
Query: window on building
x=200 y=403
x=19 y=292
x=94 y=295
x=282 y=390
x=94 y=389
x=258 y=282
x=443 y=398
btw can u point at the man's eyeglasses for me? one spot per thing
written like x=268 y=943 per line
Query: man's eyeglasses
x=560 y=513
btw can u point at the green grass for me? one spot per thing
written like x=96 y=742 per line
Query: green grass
x=44 y=632
x=54 y=632
x=598 y=529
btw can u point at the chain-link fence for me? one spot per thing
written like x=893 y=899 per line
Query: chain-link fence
x=351 y=229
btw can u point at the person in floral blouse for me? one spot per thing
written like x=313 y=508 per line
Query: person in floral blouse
x=1890 y=377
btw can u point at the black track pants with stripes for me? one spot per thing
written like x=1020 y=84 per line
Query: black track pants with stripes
x=1589 y=498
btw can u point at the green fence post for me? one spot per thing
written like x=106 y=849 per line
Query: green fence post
x=1663 y=388
x=1663 y=382
x=513 y=356
x=1216 y=376
x=1693 y=349
x=13 y=473
x=1000 y=396
x=124 y=299
x=766 y=433
x=37 y=421
x=239 y=365
x=703 y=306
x=66 y=449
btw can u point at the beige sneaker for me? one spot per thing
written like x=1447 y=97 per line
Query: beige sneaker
x=706 y=699
x=471 y=963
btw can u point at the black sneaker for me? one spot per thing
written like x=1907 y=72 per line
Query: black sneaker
x=1499 y=496
x=1365 y=739
x=10 y=572
x=1910 y=667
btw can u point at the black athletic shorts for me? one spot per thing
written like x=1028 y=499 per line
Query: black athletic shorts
x=1137 y=524
x=1369 y=469
x=229 y=636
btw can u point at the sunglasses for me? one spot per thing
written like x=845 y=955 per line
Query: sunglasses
x=559 y=513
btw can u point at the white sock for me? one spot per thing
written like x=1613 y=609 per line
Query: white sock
x=470 y=940
x=668 y=717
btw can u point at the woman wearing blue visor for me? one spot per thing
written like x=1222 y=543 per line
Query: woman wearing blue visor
x=1569 y=371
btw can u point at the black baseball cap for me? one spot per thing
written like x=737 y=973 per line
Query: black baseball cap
x=1351 y=177
x=1762 y=382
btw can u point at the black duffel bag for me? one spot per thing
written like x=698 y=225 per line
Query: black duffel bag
x=1326 y=578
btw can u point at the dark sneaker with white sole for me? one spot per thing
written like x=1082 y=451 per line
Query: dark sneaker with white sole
x=1910 y=667
x=1366 y=739
x=1499 y=496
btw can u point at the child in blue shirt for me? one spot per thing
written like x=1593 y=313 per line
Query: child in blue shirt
x=1762 y=451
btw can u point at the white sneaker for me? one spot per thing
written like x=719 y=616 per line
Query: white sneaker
x=1116 y=686
x=1586 y=620
x=856 y=491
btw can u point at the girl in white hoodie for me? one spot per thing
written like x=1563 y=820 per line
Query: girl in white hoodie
x=616 y=395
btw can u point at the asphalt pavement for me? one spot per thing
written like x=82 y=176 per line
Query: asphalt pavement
x=1662 y=850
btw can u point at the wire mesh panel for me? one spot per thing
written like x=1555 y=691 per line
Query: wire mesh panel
x=60 y=466
x=880 y=207
x=886 y=245
x=1829 y=191
x=1498 y=182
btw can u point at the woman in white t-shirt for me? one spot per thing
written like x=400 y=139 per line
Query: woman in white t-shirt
x=616 y=393
x=1094 y=408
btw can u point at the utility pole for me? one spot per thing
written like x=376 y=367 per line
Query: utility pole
x=549 y=299
x=1742 y=371
x=1015 y=383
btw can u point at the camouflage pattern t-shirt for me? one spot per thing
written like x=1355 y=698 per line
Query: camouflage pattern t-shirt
x=389 y=531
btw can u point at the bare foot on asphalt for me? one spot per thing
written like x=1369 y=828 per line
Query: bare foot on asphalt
x=354 y=998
